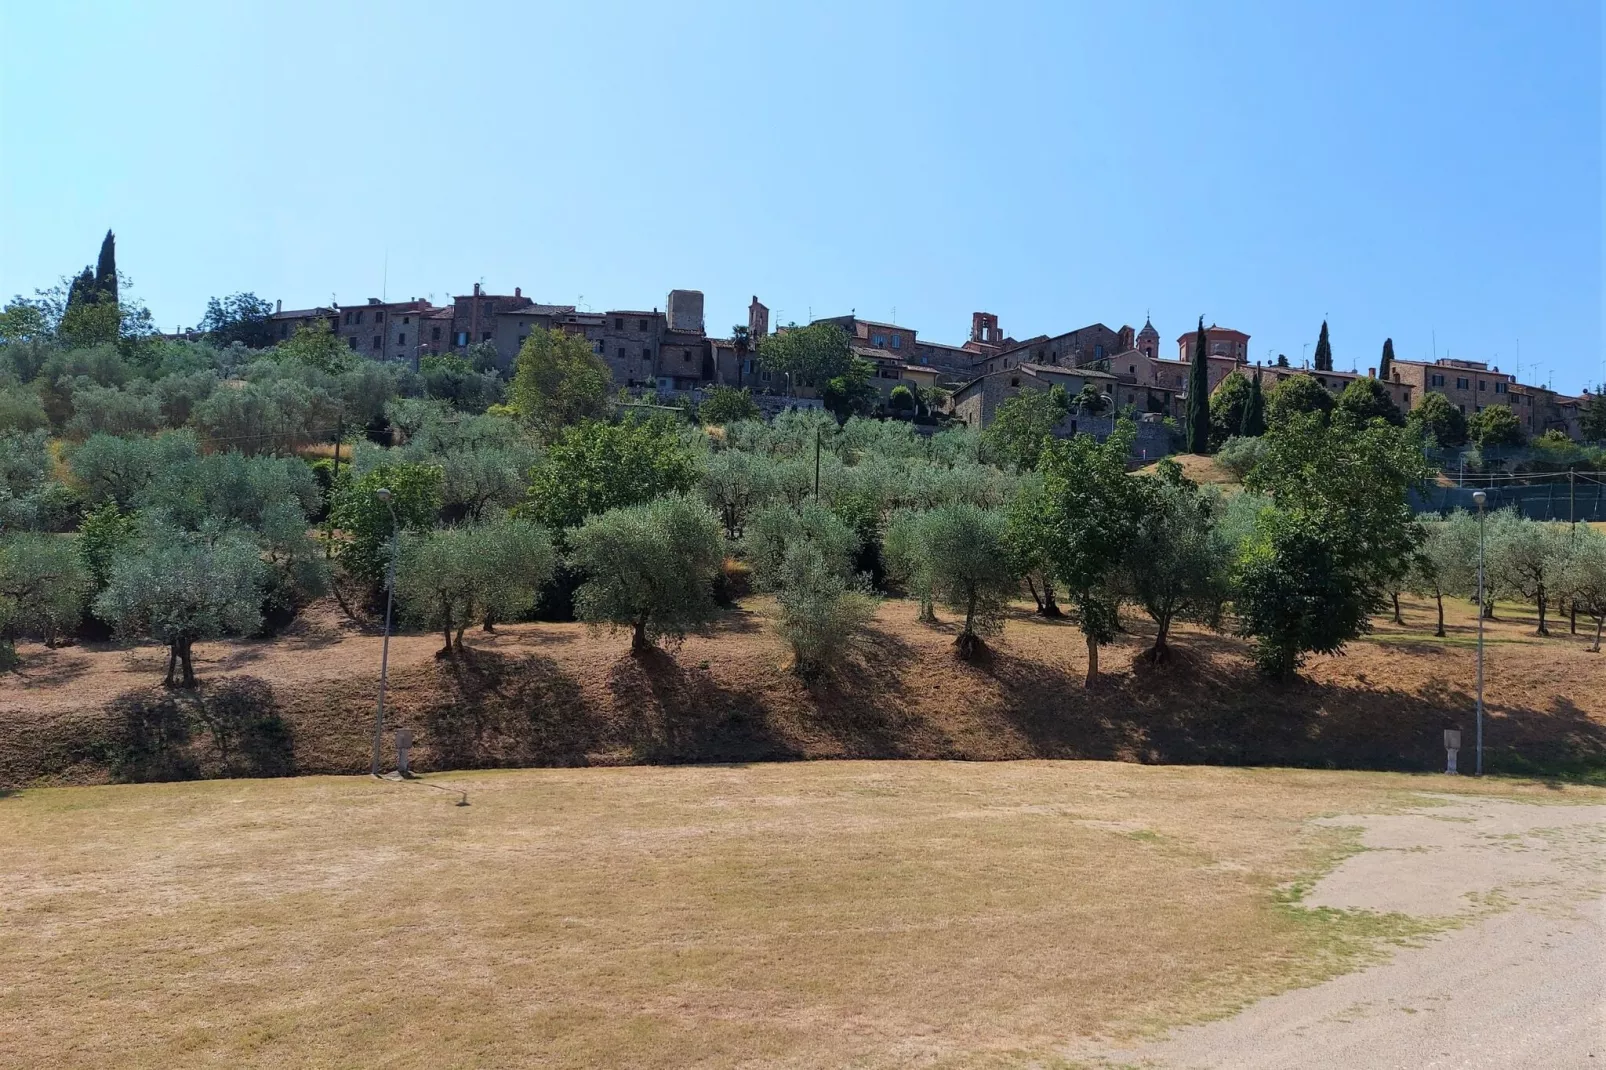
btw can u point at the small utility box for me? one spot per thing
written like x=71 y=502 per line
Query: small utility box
x=1452 y=744
x=404 y=743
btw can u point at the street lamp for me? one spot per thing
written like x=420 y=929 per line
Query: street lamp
x=383 y=494
x=1479 y=498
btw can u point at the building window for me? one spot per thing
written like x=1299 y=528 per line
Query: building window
x=401 y=339
x=1462 y=384
x=641 y=325
x=462 y=338
x=522 y=337
x=1483 y=384
x=351 y=340
x=359 y=317
x=618 y=323
x=434 y=334
x=621 y=352
x=407 y=319
x=377 y=341
x=1014 y=380
x=1131 y=369
x=1098 y=352
x=1436 y=380
x=485 y=336
x=878 y=340
x=1500 y=388
x=348 y=319
x=897 y=341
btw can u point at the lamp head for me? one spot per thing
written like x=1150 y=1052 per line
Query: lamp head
x=383 y=494
x=1478 y=498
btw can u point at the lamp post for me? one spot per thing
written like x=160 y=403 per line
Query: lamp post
x=1479 y=498
x=383 y=494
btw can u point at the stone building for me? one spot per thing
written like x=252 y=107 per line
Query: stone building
x=899 y=341
x=386 y=330
x=977 y=402
x=1222 y=342
x=630 y=341
x=474 y=315
x=513 y=326
x=1073 y=349
x=1472 y=386
x=284 y=324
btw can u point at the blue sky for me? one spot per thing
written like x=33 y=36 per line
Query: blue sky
x=1430 y=171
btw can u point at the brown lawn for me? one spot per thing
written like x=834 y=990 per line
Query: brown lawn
x=560 y=694
x=872 y=914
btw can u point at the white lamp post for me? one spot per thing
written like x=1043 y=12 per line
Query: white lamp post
x=383 y=494
x=1480 y=498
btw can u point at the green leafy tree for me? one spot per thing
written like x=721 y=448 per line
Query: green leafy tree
x=822 y=612
x=649 y=568
x=1028 y=539
x=853 y=392
x=726 y=405
x=1585 y=579
x=1324 y=351
x=1385 y=364
x=242 y=318
x=807 y=356
x=900 y=400
x=1439 y=419
x=594 y=467
x=43 y=585
x=453 y=577
x=103 y=535
x=1023 y=425
x=558 y=382
x=179 y=589
x=1178 y=564
x=1592 y=415
x=970 y=568
x=1092 y=509
x=1228 y=405
x=734 y=483
x=1495 y=425
x=366 y=520
x=1447 y=562
x=1368 y=399
x=1526 y=559
x=1253 y=424
x=775 y=532
x=112 y=469
x=1339 y=537
x=1295 y=396
x=316 y=346
x=906 y=560
x=1199 y=393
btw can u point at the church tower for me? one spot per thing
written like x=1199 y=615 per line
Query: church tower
x=1149 y=340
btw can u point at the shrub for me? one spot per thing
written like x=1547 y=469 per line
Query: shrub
x=1240 y=455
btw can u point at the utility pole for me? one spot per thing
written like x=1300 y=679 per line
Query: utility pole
x=334 y=484
x=816 y=465
x=1480 y=498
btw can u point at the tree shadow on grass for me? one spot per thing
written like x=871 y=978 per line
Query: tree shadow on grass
x=672 y=714
x=231 y=728
x=500 y=709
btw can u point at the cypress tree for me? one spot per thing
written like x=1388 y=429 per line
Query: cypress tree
x=1384 y=365
x=1324 y=351
x=1282 y=360
x=106 y=269
x=1199 y=395
x=80 y=293
x=1254 y=421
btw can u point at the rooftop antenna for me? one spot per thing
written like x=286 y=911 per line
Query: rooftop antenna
x=384 y=279
x=1519 y=360
x=1435 y=345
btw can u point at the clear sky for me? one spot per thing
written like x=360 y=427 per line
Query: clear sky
x=1430 y=171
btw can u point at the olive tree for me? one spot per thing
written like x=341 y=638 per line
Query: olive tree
x=453 y=577
x=176 y=588
x=1526 y=559
x=1584 y=579
x=734 y=482
x=1446 y=563
x=649 y=568
x=1178 y=564
x=967 y=560
x=43 y=585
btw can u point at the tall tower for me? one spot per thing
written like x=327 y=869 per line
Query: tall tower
x=758 y=320
x=1149 y=340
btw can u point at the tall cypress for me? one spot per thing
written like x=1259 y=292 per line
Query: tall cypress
x=1387 y=363
x=1324 y=351
x=106 y=269
x=1254 y=421
x=1199 y=395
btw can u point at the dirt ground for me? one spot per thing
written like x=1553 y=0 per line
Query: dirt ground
x=560 y=694
x=803 y=914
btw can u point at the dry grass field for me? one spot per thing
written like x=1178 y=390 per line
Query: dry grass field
x=867 y=914
x=560 y=694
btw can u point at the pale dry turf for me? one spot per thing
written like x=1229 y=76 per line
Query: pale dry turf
x=806 y=914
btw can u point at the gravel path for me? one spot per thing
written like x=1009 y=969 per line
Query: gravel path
x=1522 y=986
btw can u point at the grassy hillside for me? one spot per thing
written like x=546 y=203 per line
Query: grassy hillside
x=543 y=694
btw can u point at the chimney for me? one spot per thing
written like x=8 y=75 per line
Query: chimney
x=517 y=292
x=278 y=306
x=1371 y=373
x=476 y=289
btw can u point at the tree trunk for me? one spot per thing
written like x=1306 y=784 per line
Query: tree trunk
x=1162 y=629
x=1092 y=661
x=928 y=614
x=1397 y=618
x=1042 y=609
x=185 y=662
x=1572 y=617
x=1600 y=622
x=458 y=642
x=1541 y=600
x=446 y=633
x=172 y=663
x=1051 y=608
x=1439 y=632
x=638 y=638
